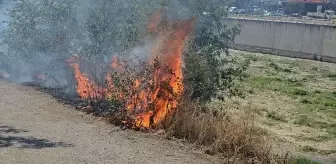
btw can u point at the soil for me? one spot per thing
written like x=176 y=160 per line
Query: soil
x=37 y=129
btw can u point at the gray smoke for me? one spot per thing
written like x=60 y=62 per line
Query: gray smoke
x=45 y=35
x=4 y=6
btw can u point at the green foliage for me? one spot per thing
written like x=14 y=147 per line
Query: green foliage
x=331 y=75
x=319 y=138
x=317 y=91
x=205 y=81
x=40 y=26
x=275 y=116
x=253 y=57
x=306 y=101
x=300 y=92
x=277 y=67
x=303 y=160
x=309 y=149
x=95 y=28
x=115 y=26
x=303 y=120
x=287 y=86
x=314 y=99
x=209 y=72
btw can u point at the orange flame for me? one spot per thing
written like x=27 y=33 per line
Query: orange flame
x=86 y=88
x=150 y=105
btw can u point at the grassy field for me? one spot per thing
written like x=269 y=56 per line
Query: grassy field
x=294 y=100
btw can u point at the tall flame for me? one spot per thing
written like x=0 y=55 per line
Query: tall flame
x=86 y=88
x=149 y=105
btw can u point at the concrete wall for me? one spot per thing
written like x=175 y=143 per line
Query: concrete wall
x=286 y=38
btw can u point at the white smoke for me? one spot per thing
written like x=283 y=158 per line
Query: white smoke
x=53 y=66
x=4 y=6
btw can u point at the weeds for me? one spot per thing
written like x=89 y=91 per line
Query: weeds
x=306 y=101
x=332 y=129
x=253 y=57
x=300 y=92
x=275 y=116
x=327 y=152
x=303 y=120
x=317 y=91
x=287 y=86
x=309 y=149
x=331 y=75
x=319 y=138
x=237 y=138
x=277 y=67
x=303 y=160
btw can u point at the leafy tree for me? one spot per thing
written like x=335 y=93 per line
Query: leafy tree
x=118 y=25
x=209 y=72
x=40 y=27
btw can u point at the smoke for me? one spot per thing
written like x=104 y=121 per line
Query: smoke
x=43 y=34
x=24 y=57
x=4 y=5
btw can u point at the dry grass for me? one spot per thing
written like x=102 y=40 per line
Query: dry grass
x=220 y=131
x=295 y=101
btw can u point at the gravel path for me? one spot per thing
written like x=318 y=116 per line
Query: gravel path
x=36 y=129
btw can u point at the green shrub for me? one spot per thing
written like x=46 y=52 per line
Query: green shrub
x=303 y=160
x=309 y=149
x=275 y=66
x=300 y=92
x=318 y=91
x=275 y=116
x=306 y=101
x=302 y=120
x=331 y=75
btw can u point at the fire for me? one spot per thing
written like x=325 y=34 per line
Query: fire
x=148 y=105
x=86 y=88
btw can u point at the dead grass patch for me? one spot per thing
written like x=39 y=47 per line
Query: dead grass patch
x=238 y=138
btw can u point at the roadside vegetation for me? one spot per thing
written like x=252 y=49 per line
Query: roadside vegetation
x=230 y=105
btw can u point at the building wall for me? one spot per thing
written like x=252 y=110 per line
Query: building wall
x=309 y=40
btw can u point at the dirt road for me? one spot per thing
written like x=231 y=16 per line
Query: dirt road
x=36 y=129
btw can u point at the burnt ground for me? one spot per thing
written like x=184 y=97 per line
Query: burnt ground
x=36 y=128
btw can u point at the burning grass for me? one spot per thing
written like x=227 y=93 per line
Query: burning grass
x=209 y=126
x=147 y=96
